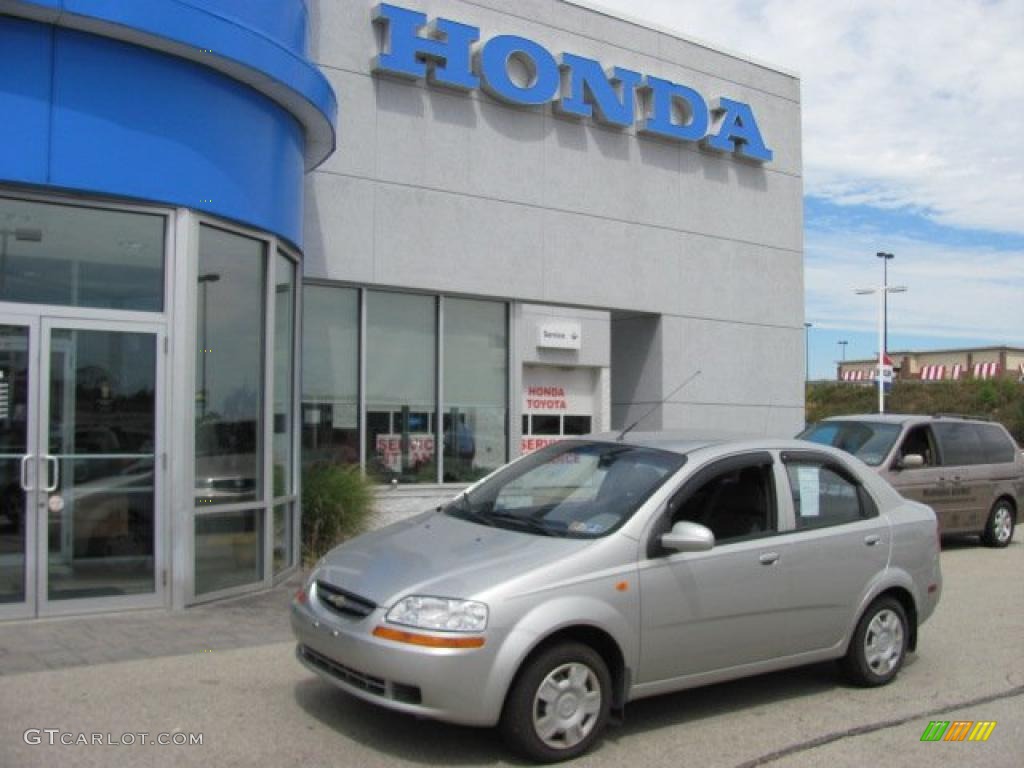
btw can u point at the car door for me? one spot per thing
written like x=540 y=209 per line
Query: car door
x=928 y=483
x=705 y=611
x=835 y=546
x=965 y=476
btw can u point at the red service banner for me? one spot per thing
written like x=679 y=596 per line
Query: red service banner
x=389 y=450
x=531 y=444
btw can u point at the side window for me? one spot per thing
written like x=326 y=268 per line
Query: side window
x=960 y=444
x=736 y=504
x=822 y=497
x=999 y=448
x=919 y=441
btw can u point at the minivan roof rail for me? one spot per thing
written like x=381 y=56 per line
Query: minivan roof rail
x=961 y=416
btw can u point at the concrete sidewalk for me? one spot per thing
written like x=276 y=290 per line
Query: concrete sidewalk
x=35 y=645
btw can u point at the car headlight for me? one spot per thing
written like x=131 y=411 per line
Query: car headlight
x=439 y=613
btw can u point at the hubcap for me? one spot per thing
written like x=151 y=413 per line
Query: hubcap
x=883 y=642
x=1002 y=524
x=566 y=705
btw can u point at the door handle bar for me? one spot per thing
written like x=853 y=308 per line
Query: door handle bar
x=24 y=472
x=872 y=539
x=767 y=558
x=56 y=473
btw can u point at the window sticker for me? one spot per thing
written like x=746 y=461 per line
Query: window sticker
x=809 y=481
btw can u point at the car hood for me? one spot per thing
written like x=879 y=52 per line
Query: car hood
x=435 y=554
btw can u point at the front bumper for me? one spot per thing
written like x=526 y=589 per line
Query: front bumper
x=454 y=685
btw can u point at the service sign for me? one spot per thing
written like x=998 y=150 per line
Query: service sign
x=520 y=71
x=560 y=336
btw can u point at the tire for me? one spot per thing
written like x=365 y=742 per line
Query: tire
x=879 y=644
x=558 y=705
x=999 y=528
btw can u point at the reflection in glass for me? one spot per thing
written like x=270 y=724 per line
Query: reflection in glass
x=401 y=333
x=284 y=367
x=13 y=447
x=330 y=375
x=229 y=550
x=81 y=257
x=229 y=368
x=102 y=433
x=283 y=528
x=475 y=388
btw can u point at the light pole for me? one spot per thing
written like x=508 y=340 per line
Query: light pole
x=842 y=345
x=886 y=258
x=807 y=351
x=883 y=291
x=204 y=281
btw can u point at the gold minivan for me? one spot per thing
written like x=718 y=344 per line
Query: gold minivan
x=970 y=471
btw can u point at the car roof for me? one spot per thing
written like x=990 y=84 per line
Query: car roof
x=904 y=418
x=685 y=442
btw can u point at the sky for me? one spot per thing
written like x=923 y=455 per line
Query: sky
x=913 y=131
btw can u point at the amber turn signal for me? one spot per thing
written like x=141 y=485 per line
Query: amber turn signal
x=427 y=641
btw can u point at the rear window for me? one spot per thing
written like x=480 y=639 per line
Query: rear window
x=867 y=440
x=999 y=448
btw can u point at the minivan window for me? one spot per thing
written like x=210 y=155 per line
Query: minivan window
x=869 y=441
x=960 y=444
x=999 y=448
x=571 y=489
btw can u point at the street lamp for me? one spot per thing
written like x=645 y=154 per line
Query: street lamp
x=886 y=258
x=883 y=291
x=807 y=351
x=204 y=281
x=843 y=344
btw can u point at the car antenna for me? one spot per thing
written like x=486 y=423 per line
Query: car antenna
x=628 y=429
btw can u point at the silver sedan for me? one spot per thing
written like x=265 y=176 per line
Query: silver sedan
x=598 y=571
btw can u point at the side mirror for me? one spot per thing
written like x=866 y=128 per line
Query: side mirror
x=911 y=461
x=688 y=537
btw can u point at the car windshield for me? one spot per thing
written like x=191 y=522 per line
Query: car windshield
x=571 y=489
x=869 y=441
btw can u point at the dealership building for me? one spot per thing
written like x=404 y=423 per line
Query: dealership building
x=243 y=237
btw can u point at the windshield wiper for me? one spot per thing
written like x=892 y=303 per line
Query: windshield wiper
x=522 y=522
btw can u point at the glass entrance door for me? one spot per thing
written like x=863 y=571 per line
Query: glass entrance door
x=84 y=436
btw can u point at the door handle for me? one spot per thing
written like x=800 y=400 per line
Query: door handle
x=24 y=472
x=56 y=473
x=768 y=558
x=872 y=539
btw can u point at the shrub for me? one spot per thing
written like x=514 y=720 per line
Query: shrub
x=337 y=501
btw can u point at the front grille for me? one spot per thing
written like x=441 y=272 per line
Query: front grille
x=368 y=683
x=344 y=603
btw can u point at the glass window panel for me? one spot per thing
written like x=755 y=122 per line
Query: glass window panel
x=81 y=257
x=229 y=368
x=576 y=425
x=330 y=375
x=284 y=368
x=102 y=431
x=284 y=526
x=229 y=550
x=475 y=388
x=14 y=383
x=401 y=338
x=546 y=424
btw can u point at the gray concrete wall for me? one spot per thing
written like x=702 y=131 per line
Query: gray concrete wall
x=436 y=190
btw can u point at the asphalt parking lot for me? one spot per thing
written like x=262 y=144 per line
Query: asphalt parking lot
x=255 y=706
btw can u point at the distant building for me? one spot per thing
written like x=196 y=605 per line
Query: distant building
x=942 y=364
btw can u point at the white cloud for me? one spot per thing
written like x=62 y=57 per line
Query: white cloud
x=953 y=291
x=906 y=103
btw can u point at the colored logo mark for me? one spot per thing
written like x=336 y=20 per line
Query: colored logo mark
x=958 y=730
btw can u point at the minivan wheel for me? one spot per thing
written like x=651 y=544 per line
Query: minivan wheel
x=879 y=644
x=558 y=706
x=999 y=528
